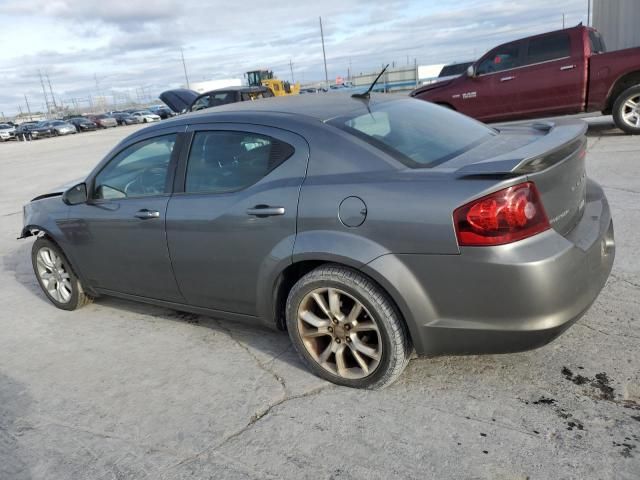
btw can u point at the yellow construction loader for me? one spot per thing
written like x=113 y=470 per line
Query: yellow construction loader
x=265 y=78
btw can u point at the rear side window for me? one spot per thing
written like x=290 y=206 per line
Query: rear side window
x=419 y=134
x=504 y=57
x=226 y=161
x=550 y=47
x=597 y=43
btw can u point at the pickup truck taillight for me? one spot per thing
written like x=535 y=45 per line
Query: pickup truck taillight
x=505 y=216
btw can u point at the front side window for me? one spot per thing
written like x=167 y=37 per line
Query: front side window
x=200 y=103
x=550 y=47
x=502 y=58
x=419 y=134
x=139 y=170
x=226 y=161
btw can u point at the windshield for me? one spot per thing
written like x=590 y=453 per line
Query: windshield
x=417 y=133
x=4 y=126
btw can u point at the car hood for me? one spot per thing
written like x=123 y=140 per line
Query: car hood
x=179 y=99
x=433 y=86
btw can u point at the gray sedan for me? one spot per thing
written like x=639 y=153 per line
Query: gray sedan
x=366 y=227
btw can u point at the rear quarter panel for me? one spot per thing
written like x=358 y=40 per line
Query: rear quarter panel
x=605 y=70
x=407 y=210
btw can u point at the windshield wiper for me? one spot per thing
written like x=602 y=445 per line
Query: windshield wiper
x=367 y=94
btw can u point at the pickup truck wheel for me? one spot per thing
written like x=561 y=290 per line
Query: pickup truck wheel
x=346 y=328
x=626 y=110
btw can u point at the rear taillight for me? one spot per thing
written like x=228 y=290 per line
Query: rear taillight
x=502 y=217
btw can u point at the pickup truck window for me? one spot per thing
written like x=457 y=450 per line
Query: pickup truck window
x=550 y=47
x=597 y=43
x=502 y=58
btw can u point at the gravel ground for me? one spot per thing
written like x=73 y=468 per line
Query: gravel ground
x=121 y=390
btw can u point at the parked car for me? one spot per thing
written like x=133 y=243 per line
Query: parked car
x=124 y=118
x=145 y=116
x=7 y=132
x=182 y=100
x=556 y=73
x=83 y=124
x=162 y=111
x=23 y=131
x=60 y=127
x=103 y=121
x=366 y=227
x=40 y=130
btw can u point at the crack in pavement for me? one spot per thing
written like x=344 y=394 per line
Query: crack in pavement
x=621 y=189
x=259 y=414
x=620 y=279
x=260 y=365
x=615 y=334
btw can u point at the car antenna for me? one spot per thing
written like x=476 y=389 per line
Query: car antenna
x=367 y=94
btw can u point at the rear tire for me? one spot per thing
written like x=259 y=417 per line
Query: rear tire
x=626 y=110
x=346 y=328
x=56 y=277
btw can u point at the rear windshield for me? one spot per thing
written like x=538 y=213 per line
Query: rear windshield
x=417 y=133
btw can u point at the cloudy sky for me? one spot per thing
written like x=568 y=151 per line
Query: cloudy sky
x=132 y=47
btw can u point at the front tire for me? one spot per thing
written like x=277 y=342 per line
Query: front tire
x=626 y=110
x=56 y=277
x=347 y=329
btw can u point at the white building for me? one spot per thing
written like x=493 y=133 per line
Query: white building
x=618 y=21
x=209 y=85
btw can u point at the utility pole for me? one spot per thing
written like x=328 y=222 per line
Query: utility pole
x=324 y=56
x=184 y=66
x=563 y=21
x=291 y=68
x=53 y=98
x=28 y=108
x=44 y=92
x=588 y=13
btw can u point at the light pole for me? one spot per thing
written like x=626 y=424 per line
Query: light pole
x=184 y=66
x=324 y=56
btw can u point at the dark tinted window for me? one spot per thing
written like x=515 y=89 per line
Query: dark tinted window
x=502 y=58
x=139 y=170
x=547 y=48
x=454 y=69
x=597 y=43
x=223 y=161
x=200 y=103
x=417 y=133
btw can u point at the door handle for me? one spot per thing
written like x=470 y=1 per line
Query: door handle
x=567 y=67
x=262 y=211
x=507 y=79
x=144 y=214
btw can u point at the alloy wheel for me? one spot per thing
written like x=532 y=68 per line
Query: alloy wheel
x=339 y=333
x=54 y=275
x=631 y=111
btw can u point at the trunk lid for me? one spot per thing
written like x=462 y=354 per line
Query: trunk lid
x=179 y=99
x=550 y=154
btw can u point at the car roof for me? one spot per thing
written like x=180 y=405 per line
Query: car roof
x=321 y=106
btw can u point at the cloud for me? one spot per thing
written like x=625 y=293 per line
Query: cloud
x=129 y=45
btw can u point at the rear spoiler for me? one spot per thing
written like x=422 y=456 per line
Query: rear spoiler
x=562 y=138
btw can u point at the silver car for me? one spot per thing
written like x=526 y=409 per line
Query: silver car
x=367 y=227
x=7 y=132
x=59 y=127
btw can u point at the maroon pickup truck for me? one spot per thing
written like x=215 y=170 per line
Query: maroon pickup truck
x=556 y=73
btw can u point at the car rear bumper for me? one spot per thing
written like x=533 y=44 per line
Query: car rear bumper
x=507 y=298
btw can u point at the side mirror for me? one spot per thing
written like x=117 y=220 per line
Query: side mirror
x=471 y=71
x=75 y=195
